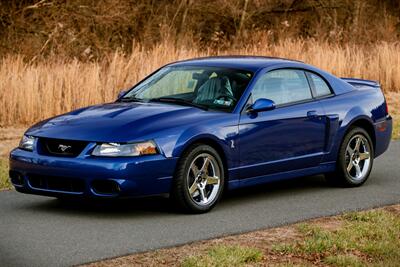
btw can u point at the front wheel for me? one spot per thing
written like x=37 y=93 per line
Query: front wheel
x=356 y=156
x=199 y=179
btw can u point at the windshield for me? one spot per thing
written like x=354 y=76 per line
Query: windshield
x=203 y=87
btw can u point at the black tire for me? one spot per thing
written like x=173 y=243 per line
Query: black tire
x=342 y=177
x=180 y=188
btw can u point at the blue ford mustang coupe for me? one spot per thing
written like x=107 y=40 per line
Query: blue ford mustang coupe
x=195 y=128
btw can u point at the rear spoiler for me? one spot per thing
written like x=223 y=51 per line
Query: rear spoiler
x=360 y=83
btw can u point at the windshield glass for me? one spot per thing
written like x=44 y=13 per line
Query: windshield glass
x=204 y=87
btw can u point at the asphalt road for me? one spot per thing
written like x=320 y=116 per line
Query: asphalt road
x=40 y=231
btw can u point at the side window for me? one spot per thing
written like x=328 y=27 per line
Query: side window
x=282 y=86
x=321 y=88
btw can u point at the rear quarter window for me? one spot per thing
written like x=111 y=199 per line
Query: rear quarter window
x=321 y=87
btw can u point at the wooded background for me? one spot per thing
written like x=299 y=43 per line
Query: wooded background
x=89 y=29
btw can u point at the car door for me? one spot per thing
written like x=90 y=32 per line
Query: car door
x=289 y=137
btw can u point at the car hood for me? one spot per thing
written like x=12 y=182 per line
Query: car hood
x=119 y=122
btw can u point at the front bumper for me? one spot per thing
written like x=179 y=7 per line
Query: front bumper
x=89 y=176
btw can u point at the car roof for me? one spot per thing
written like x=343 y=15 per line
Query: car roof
x=255 y=63
x=251 y=63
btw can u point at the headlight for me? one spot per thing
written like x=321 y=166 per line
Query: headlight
x=27 y=142
x=125 y=150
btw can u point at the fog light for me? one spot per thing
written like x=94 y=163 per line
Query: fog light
x=105 y=187
x=16 y=178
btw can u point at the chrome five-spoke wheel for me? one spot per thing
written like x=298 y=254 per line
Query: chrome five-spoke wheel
x=203 y=179
x=199 y=179
x=357 y=157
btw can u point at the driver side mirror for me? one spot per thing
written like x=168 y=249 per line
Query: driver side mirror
x=261 y=104
x=121 y=93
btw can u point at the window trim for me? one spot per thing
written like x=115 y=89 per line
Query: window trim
x=289 y=104
x=306 y=72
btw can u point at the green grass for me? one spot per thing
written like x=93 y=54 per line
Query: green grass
x=4 y=181
x=222 y=256
x=344 y=260
x=366 y=238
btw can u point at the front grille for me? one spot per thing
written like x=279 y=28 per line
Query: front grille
x=56 y=183
x=61 y=148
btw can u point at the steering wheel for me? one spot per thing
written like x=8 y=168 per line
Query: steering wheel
x=226 y=96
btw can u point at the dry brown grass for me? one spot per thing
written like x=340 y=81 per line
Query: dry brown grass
x=32 y=92
x=394 y=110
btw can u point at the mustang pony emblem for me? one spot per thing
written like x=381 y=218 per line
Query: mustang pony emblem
x=63 y=148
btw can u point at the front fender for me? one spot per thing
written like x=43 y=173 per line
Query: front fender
x=225 y=137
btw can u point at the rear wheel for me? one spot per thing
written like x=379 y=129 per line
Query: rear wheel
x=356 y=156
x=199 y=179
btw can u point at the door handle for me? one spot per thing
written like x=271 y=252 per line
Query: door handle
x=312 y=114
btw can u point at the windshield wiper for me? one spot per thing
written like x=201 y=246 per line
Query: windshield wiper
x=131 y=99
x=178 y=101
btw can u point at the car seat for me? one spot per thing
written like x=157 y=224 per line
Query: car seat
x=213 y=88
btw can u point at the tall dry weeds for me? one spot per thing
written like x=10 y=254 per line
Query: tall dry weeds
x=32 y=92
